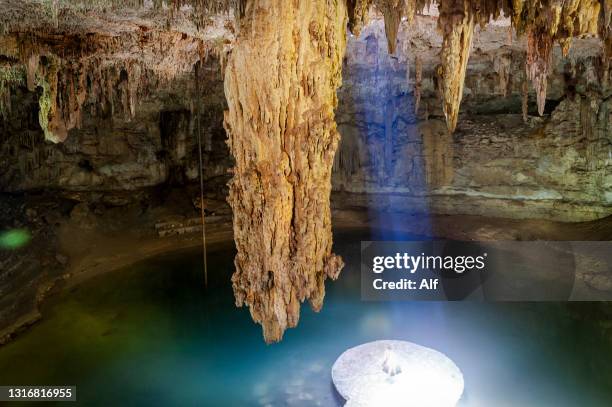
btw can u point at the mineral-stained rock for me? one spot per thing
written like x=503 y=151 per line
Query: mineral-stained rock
x=549 y=21
x=457 y=25
x=539 y=47
x=555 y=167
x=418 y=83
x=358 y=11
x=392 y=11
x=605 y=32
x=280 y=84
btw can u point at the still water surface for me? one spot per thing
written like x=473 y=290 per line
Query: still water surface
x=150 y=335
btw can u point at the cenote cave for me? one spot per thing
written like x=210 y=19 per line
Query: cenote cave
x=306 y=203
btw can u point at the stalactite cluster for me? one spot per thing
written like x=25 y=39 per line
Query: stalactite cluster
x=605 y=33
x=543 y=22
x=394 y=11
x=280 y=85
x=9 y=77
x=539 y=49
x=109 y=87
x=47 y=14
x=547 y=22
x=107 y=72
x=358 y=11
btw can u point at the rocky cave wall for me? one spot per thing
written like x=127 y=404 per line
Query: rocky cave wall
x=110 y=102
x=397 y=155
x=114 y=155
x=99 y=116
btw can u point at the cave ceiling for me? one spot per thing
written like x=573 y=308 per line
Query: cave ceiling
x=77 y=41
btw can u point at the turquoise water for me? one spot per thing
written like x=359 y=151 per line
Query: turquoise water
x=150 y=335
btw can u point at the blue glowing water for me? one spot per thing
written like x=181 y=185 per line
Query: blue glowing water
x=150 y=335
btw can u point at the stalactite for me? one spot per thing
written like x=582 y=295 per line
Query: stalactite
x=418 y=83
x=347 y=160
x=525 y=100
x=565 y=44
x=545 y=22
x=32 y=68
x=539 y=48
x=134 y=77
x=456 y=22
x=392 y=11
x=410 y=10
x=358 y=14
x=48 y=115
x=10 y=77
x=501 y=65
x=605 y=33
x=283 y=136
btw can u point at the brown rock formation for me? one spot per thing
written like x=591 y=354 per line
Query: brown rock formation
x=358 y=11
x=539 y=48
x=545 y=22
x=280 y=84
x=457 y=25
x=392 y=11
x=553 y=167
x=605 y=32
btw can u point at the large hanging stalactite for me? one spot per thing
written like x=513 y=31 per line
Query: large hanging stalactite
x=456 y=22
x=280 y=84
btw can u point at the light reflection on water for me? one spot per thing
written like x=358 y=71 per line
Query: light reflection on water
x=149 y=336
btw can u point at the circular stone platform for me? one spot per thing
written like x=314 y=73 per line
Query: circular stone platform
x=397 y=373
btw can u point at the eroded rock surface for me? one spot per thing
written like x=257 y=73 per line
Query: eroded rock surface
x=397 y=155
x=280 y=83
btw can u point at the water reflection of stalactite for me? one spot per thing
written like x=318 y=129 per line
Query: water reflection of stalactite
x=438 y=152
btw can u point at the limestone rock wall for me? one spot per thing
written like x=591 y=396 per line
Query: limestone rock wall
x=397 y=155
x=112 y=153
